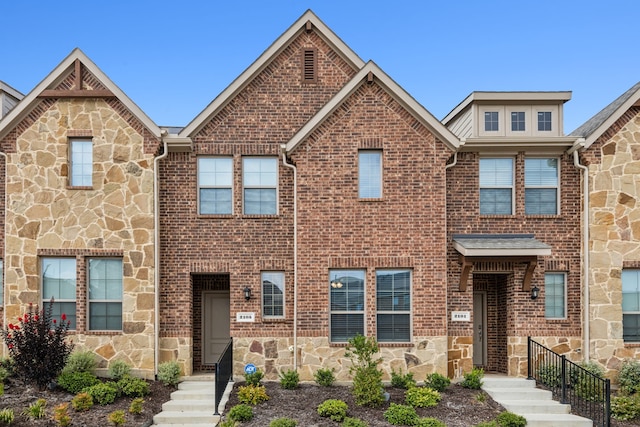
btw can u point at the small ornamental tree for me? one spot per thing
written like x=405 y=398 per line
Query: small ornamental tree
x=37 y=345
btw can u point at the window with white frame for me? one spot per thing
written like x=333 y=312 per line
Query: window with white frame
x=59 y=283
x=260 y=182
x=105 y=294
x=518 y=121
x=346 y=294
x=370 y=174
x=631 y=305
x=496 y=186
x=491 y=121
x=393 y=303
x=81 y=167
x=273 y=294
x=555 y=291
x=215 y=185
x=544 y=121
x=541 y=186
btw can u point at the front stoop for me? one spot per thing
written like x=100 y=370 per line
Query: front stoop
x=192 y=405
x=520 y=396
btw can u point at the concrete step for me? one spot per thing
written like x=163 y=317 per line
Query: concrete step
x=189 y=405
x=194 y=385
x=513 y=393
x=555 y=420
x=193 y=394
x=538 y=407
x=192 y=417
x=507 y=382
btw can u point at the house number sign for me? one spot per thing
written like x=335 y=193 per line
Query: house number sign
x=460 y=316
x=245 y=317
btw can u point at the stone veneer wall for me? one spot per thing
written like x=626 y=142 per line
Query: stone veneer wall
x=114 y=217
x=571 y=347
x=460 y=356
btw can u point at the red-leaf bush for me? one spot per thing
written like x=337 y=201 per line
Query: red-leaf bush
x=37 y=345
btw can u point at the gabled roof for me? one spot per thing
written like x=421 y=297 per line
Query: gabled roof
x=55 y=77
x=265 y=59
x=593 y=128
x=398 y=93
x=10 y=91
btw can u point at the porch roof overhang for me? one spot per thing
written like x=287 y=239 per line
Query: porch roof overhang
x=523 y=248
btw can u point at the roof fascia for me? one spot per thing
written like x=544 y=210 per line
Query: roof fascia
x=634 y=100
x=263 y=61
x=55 y=76
x=399 y=94
x=10 y=91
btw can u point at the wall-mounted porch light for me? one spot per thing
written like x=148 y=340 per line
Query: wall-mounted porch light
x=247 y=293
x=535 y=291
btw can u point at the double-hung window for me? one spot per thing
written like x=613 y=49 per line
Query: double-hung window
x=81 y=174
x=631 y=305
x=555 y=295
x=541 y=186
x=105 y=294
x=273 y=294
x=260 y=181
x=496 y=186
x=215 y=184
x=393 y=302
x=370 y=174
x=59 y=283
x=346 y=292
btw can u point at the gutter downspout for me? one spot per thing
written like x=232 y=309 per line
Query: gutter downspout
x=4 y=251
x=446 y=231
x=156 y=250
x=295 y=255
x=585 y=237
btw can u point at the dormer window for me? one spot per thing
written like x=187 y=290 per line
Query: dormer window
x=491 y=121
x=517 y=121
x=544 y=121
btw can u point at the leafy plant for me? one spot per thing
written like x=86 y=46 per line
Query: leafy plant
x=133 y=387
x=509 y=419
x=333 y=408
x=422 y=397
x=117 y=418
x=629 y=376
x=118 y=369
x=7 y=416
x=325 y=377
x=252 y=394
x=473 y=379
x=82 y=402
x=283 y=422
x=36 y=410
x=354 y=422
x=400 y=380
x=38 y=345
x=401 y=415
x=103 y=393
x=437 y=381
x=81 y=361
x=1 y=389
x=254 y=378
x=488 y=424
x=61 y=414
x=169 y=373
x=625 y=407
x=229 y=423
x=4 y=374
x=367 y=381
x=481 y=397
x=585 y=385
x=289 y=380
x=549 y=375
x=7 y=364
x=136 y=405
x=430 y=422
x=241 y=413
x=75 y=382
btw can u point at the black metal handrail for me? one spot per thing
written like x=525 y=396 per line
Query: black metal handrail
x=588 y=394
x=224 y=373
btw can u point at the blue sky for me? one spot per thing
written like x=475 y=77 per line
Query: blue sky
x=172 y=58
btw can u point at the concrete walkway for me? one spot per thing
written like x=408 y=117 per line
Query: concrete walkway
x=520 y=396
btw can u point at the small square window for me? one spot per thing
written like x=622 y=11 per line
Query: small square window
x=544 y=121
x=517 y=121
x=491 y=121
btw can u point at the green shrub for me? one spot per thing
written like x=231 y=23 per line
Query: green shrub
x=241 y=413
x=229 y=423
x=61 y=414
x=133 y=387
x=430 y=422
x=289 y=380
x=488 y=424
x=367 y=382
x=283 y=422
x=7 y=416
x=117 y=418
x=4 y=374
x=82 y=402
x=401 y=415
x=254 y=378
x=481 y=397
x=103 y=393
x=169 y=373
x=37 y=410
x=37 y=345
x=509 y=419
x=252 y=394
x=585 y=385
x=81 y=361
x=437 y=381
x=8 y=364
x=75 y=382
x=549 y=375
x=399 y=380
x=136 y=405
x=1 y=389
x=118 y=369
x=629 y=376
x=625 y=407
x=422 y=397
x=334 y=409
x=325 y=377
x=354 y=422
x=473 y=379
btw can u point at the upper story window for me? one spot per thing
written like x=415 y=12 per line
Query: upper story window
x=491 y=121
x=260 y=182
x=393 y=302
x=215 y=185
x=544 y=121
x=496 y=186
x=555 y=296
x=81 y=166
x=105 y=294
x=370 y=174
x=518 y=121
x=59 y=283
x=631 y=305
x=273 y=294
x=346 y=294
x=541 y=186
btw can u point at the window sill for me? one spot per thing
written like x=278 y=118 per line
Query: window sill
x=215 y=216
x=101 y=333
x=377 y=199
x=274 y=320
x=632 y=344
x=380 y=344
x=257 y=216
x=79 y=187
